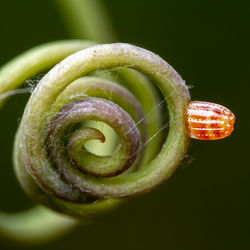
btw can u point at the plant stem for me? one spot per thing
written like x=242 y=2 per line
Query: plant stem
x=87 y=19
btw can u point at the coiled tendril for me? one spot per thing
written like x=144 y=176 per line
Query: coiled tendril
x=50 y=156
x=89 y=84
x=56 y=162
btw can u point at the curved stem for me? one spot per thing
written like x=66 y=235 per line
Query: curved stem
x=48 y=225
x=36 y=60
x=36 y=220
x=60 y=178
x=104 y=56
x=86 y=19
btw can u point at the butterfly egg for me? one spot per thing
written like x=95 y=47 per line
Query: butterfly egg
x=208 y=121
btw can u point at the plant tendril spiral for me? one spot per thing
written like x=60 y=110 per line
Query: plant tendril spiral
x=89 y=84
x=51 y=137
x=51 y=160
x=92 y=93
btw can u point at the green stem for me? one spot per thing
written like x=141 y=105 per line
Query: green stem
x=50 y=142
x=36 y=60
x=19 y=226
x=48 y=225
x=86 y=19
x=34 y=122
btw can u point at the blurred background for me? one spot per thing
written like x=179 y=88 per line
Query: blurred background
x=206 y=203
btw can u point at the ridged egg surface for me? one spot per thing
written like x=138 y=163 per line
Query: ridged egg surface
x=209 y=121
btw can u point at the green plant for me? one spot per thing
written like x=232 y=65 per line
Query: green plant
x=50 y=161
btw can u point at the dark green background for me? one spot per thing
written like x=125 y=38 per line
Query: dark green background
x=205 y=205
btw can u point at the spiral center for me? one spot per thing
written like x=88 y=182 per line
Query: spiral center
x=102 y=148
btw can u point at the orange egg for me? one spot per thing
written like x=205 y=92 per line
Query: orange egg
x=208 y=121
